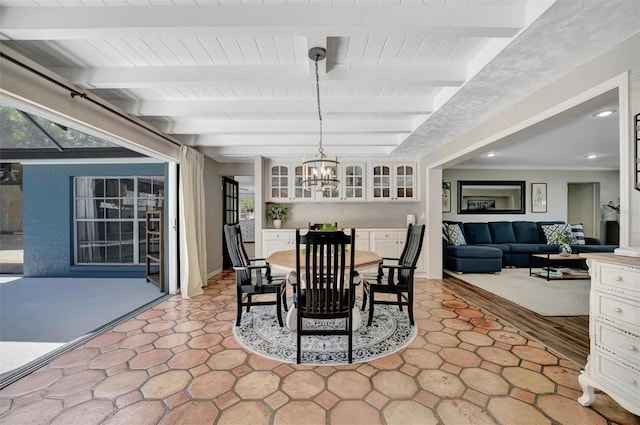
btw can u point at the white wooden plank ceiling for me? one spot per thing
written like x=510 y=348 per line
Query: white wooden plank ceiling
x=233 y=77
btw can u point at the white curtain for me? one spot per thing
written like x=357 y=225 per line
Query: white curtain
x=193 y=251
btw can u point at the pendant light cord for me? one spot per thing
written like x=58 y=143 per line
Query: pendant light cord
x=318 y=94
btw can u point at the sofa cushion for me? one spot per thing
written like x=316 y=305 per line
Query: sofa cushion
x=455 y=234
x=542 y=237
x=523 y=248
x=526 y=231
x=578 y=233
x=471 y=251
x=555 y=232
x=477 y=233
x=502 y=232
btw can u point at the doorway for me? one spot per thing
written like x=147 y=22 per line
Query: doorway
x=230 y=212
x=583 y=206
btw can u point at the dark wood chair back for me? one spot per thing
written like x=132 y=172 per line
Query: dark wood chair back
x=237 y=254
x=328 y=290
x=410 y=253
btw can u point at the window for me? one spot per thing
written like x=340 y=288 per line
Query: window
x=110 y=215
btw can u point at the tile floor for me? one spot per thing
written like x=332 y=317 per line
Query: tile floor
x=178 y=363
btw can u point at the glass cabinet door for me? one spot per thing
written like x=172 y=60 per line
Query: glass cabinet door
x=353 y=182
x=405 y=181
x=381 y=182
x=279 y=175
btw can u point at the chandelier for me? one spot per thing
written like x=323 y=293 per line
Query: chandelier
x=320 y=172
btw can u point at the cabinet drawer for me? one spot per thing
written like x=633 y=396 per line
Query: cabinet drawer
x=617 y=341
x=390 y=235
x=616 y=310
x=362 y=235
x=277 y=236
x=619 y=375
x=620 y=277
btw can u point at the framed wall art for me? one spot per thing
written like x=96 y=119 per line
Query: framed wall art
x=446 y=196
x=538 y=197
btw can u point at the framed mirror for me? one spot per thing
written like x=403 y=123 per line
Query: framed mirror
x=491 y=196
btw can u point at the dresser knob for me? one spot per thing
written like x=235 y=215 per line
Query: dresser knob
x=633 y=381
x=633 y=348
x=618 y=278
x=618 y=310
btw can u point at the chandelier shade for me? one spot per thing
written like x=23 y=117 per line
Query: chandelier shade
x=321 y=172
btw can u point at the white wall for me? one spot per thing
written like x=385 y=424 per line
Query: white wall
x=557 y=194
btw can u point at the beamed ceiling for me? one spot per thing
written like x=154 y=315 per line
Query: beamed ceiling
x=233 y=77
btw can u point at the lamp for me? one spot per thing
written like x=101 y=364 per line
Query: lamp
x=321 y=172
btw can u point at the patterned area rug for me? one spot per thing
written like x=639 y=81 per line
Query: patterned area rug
x=389 y=332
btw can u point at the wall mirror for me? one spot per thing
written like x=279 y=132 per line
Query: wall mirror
x=491 y=197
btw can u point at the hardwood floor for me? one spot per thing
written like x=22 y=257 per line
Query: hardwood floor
x=568 y=336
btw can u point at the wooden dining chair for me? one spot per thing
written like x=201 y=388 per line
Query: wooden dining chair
x=251 y=278
x=395 y=276
x=324 y=286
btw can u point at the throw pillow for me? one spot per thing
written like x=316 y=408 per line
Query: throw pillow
x=555 y=233
x=456 y=237
x=578 y=233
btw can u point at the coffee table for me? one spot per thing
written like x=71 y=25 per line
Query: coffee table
x=550 y=260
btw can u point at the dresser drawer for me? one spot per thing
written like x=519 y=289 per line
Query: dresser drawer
x=613 y=309
x=618 y=342
x=623 y=278
x=615 y=372
x=389 y=235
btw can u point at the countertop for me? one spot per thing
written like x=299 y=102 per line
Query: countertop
x=610 y=257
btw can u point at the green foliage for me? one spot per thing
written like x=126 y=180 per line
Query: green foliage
x=277 y=212
x=17 y=132
x=564 y=237
x=328 y=227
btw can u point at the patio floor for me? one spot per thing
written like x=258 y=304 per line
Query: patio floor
x=178 y=362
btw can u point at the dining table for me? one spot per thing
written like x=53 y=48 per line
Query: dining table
x=287 y=260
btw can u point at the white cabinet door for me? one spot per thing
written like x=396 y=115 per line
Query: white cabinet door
x=393 y=182
x=279 y=240
x=352 y=184
x=279 y=183
x=285 y=183
x=386 y=243
x=362 y=240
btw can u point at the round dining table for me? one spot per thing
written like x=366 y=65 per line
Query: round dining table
x=287 y=259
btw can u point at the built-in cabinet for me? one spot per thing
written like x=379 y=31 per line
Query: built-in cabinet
x=393 y=182
x=384 y=242
x=613 y=365
x=359 y=181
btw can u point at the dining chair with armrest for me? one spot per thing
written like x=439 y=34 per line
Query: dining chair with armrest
x=324 y=286
x=251 y=278
x=398 y=278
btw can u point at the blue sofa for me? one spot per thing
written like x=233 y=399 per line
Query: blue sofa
x=493 y=245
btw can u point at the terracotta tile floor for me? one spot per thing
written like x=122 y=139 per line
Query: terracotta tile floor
x=178 y=363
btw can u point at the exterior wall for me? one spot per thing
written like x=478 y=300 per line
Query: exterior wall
x=48 y=217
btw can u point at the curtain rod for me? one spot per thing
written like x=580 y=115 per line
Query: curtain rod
x=75 y=93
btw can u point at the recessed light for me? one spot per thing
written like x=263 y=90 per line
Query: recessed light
x=592 y=156
x=490 y=154
x=604 y=113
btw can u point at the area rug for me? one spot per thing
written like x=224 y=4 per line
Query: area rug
x=552 y=298
x=389 y=332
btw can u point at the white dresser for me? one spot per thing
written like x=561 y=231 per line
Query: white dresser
x=613 y=365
